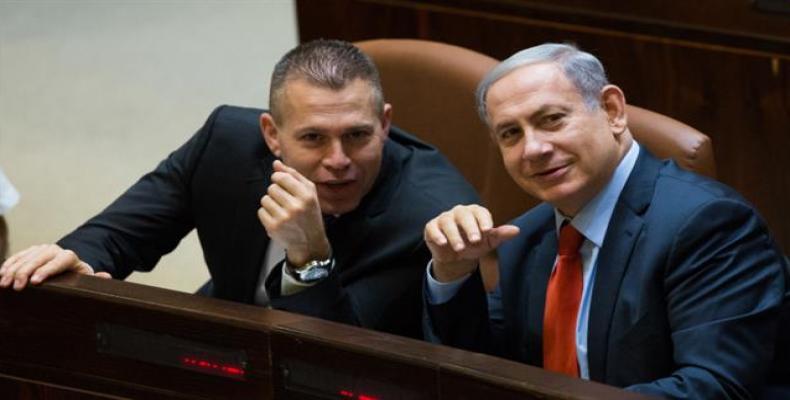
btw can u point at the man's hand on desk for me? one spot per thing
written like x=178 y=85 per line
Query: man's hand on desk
x=37 y=263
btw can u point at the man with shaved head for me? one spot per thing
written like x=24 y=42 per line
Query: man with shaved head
x=315 y=206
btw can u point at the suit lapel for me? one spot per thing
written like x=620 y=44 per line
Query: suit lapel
x=349 y=231
x=615 y=256
x=346 y=234
x=251 y=239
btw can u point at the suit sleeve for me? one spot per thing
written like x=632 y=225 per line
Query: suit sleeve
x=385 y=300
x=148 y=220
x=463 y=321
x=723 y=288
x=326 y=299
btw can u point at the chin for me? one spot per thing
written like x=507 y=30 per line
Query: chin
x=555 y=195
x=338 y=208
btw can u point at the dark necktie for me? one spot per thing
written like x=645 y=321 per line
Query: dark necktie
x=563 y=296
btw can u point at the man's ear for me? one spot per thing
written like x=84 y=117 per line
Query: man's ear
x=386 y=118
x=269 y=133
x=613 y=103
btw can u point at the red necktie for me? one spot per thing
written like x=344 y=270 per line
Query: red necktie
x=563 y=296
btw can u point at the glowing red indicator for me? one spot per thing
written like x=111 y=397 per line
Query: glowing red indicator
x=347 y=394
x=227 y=369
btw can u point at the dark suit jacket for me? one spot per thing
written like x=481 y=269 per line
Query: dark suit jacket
x=687 y=290
x=214 y=184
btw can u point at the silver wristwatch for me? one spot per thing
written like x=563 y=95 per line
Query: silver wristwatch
x=311 y=272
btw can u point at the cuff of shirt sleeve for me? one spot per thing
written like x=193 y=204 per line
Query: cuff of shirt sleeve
x=439 y=292
x=289 y=285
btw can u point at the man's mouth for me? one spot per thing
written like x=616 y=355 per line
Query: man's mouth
x=338 y=182
x=337 y=185
x=550 y=171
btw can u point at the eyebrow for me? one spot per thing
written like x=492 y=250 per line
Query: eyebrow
x=548 y=109
x=535 y=116
x=360 y=127
x=307 y=129
x=353 y=128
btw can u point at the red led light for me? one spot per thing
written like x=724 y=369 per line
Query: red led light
x=233 y=370
x=347 y=394
x=227 y=369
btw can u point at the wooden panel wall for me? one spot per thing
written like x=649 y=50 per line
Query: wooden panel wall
x=719 y=65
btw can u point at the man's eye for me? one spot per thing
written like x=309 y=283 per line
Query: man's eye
x=509 y=134
x=553 y=120
x=358 y=135
x=310 y=137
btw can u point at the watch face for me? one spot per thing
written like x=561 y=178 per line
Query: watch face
x=313 y=274
x=314 y=271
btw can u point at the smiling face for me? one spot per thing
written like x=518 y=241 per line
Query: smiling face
x=552 y=144
x=334 y=138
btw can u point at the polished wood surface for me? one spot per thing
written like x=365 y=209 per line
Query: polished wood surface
x=49 y=350
x=15 y=388
x=721 y=66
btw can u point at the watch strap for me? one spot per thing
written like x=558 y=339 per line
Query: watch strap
x=313 y=271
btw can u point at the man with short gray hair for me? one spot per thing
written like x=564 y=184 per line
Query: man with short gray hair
x=633 y=272
x=316 y=206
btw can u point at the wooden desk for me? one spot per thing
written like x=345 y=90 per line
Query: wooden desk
x=83 y=337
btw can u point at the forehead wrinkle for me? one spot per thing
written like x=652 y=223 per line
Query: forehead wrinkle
x=360 y=127
x=542 y=85
x=310 y=102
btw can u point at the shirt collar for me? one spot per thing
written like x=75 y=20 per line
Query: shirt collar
x=593 y=219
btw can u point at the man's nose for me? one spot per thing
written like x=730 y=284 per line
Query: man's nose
x=336 y=157
x=535 y=145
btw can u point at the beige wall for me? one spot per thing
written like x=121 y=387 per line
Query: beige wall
x=93 y=94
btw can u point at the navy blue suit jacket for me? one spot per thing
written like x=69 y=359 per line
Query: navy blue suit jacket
x=686 y=297
x=214 y=183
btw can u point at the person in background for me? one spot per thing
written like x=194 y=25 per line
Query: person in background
x=9 y=197
x=632 y=272
x=315 y=206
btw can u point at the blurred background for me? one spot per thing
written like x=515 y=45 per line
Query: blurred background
x=93 y=94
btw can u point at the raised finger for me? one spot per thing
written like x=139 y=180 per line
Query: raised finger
x=501 y=234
